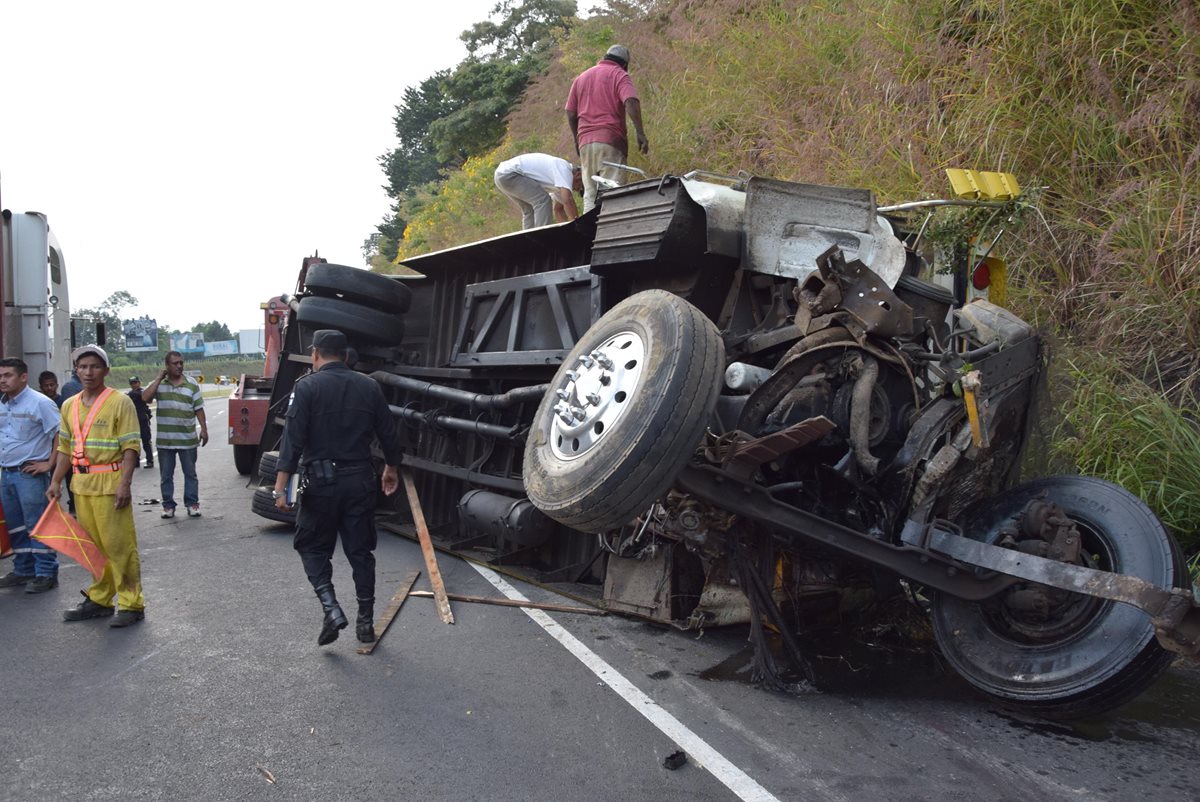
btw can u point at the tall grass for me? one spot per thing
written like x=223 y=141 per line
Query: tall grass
x=1121 y=430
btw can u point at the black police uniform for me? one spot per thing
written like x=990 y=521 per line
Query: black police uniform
x=333 y=417
x=143 y=415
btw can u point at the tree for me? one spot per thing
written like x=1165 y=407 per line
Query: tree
x=527 y=30
x=213 y=331
x=452 y=115
x=482 y=93
x=165 y=333
x=109 y=313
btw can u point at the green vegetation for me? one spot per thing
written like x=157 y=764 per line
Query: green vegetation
x=458 y=114
x=1119 y=428
x=210 y=369
x=1098 y=101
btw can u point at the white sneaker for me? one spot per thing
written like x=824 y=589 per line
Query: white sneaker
x=168 y=513
x=194 y=511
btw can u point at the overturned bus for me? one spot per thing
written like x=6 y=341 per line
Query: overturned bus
x=724 y=400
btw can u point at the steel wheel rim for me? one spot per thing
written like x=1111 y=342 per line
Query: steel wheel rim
x=595 y=393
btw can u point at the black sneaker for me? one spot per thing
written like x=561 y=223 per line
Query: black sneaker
x=86 y=609
x=124 y=618
x=14 y=580
x=41 y=584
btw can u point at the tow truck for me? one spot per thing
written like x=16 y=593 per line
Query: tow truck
x=250 y=400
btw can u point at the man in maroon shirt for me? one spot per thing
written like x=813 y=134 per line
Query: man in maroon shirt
x=600 y=98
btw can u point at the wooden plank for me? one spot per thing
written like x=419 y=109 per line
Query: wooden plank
x=431 y=565
x=557 y=608
x=385 y=620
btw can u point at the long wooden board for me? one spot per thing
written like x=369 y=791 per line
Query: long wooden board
x=554 y=608
x=431 y=565
x=385 y=620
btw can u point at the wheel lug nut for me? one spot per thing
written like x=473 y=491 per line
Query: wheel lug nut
x=573 y=375
x=563 y=394
x=605 y=379
x=578 y=413
x=593 y=399
x=587 y=361
x=604 y=361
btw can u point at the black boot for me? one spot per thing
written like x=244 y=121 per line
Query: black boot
x=335 y=619
x=364 y=627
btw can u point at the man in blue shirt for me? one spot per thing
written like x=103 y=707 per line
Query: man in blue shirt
x=72 y=387
x=28 y=425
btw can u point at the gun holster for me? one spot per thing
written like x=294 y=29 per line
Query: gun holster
x=319 y=473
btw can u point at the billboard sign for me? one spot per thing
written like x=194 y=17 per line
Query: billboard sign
x=251 y=341
x=188 y=342
x=140 y=334
x=221 y=348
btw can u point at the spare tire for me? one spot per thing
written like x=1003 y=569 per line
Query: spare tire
x=358 y=285
x=354 y=320
x=266 y=466
x=264 y=505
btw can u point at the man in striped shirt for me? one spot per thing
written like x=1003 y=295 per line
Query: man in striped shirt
x=180 y=408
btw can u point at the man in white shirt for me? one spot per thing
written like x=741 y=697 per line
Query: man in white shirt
x=541 y=186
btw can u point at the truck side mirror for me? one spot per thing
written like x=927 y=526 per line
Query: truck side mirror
x=100 y=335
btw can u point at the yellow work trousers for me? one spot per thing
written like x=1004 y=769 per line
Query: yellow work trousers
x=112 y=530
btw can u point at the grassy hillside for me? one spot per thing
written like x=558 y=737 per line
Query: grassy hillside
x=1098 y=101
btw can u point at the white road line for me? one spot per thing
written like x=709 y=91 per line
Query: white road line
x=697 y=749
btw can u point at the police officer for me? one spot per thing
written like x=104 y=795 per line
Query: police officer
x=144 y=415
x=333 y=417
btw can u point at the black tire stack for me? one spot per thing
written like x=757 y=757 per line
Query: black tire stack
x=368 y=308
x=263 y=504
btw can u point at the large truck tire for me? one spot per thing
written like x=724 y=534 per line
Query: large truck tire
x=1083 y=656
x=263 y=505
x=266 y=466
x=355 y=321
x=243 y=458
x=626 y=411
x=358 y=286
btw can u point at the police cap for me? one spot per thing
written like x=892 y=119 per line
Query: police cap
x=329 y=340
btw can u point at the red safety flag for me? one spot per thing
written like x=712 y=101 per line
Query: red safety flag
x=60 y=531
x=5 y=545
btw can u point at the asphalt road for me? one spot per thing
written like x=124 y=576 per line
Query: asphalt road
x=223 y=686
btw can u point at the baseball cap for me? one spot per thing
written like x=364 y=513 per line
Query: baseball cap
x=133 y=379
x=83 y=350
x=330 y=340
x=619 y=52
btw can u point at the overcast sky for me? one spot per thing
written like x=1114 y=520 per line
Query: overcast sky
x=193 y=153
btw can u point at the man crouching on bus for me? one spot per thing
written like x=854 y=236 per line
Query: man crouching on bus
x=98 y=441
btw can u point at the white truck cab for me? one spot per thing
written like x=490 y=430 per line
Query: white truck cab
x=35 y=320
